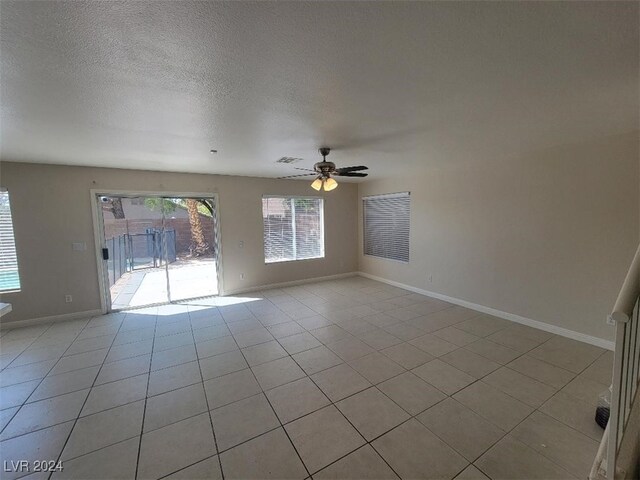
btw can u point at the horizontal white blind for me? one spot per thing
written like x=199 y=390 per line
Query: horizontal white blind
x=386 y=226
x=293 y=228
x=9 y=278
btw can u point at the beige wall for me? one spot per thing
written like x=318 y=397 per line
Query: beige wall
x=51 y=209
x=547 y=235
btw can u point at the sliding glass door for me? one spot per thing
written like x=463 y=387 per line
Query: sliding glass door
x=159 y=249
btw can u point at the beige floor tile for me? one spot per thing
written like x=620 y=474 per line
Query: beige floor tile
x=407 y=355
x=497 y=407
x=175 y=446
x=210 y=332
x=173 y=357
x=216 y=346
x=379 y=339
x=314 y=322
x=469 y=362
x=340 y=381
x=443 y=376
x=90 y=344
x=231 y=388
x=128 y=350
x=172 y=378
x=414 y=452
x=55 y=385
x=323 y=437
x=173 y=328
x=45 y=413
x=403 y=331
x=543 y=372
x=433 y=345
x=559 y=443
x=172 y=341
x=173 y=406
x=115 y=394
x=471 y=473
x=285 y=329
x=493 y=351
x=350 y=348
x=208 y=469
x=295 y=399
x=103 y=429
x=117 y=462
x=363 y=464
x=456 y=336
x=519 y=386
x=218 y=365
x=316 y=359
x=584 y=388
x=16 y=395
x=411 y=393
x=81 y=360
x=566 y=353
x=124 y=369
x=330 y=334
x=6 y=415
x=468 y=433
x=484 y=325
x=601 y=370
x=376 y=367
x=40 y=354
x=372 y=413
x=509 y=459
x=242 y=420
x=42 y=444
x=269 y=456
x=253 y=337
x=574 y=412
x=25 y=373
x=264 y=352
x=513 y=339
x=380 y=320
x=276 y=373
x=299 y=342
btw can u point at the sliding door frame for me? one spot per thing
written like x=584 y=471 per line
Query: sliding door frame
x=99 y=239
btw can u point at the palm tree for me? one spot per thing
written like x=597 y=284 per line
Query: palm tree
x=199 y=246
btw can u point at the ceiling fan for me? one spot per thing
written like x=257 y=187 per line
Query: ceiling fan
x=325 y=171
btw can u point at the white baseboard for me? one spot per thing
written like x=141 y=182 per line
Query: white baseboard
x=581 y=337
x=288 y=284
x=4 y=325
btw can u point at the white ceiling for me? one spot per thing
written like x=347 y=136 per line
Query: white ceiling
x=155 y=85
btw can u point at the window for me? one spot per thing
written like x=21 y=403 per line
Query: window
x=293 y=228
x=386 y=226
x=9 y=278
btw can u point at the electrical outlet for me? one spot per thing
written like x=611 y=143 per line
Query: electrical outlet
x=430 y=278
x=68 y=298
x=242 y=276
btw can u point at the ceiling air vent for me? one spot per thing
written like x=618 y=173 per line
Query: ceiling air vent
x=288 y=160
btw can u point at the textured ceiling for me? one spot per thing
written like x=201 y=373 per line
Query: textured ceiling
x=156 y=85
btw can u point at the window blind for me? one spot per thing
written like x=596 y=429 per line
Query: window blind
x=293 y=228
x=386 y=226
x=9 y=278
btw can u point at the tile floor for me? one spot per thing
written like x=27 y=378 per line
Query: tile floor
x=342 y=379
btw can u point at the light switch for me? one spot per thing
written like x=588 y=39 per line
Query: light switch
x=78 y=246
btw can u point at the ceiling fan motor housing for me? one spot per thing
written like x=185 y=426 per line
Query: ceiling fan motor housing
x=325 y=168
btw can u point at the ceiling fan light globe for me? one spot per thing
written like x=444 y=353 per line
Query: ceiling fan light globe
x=317 y=184
x=330 y=184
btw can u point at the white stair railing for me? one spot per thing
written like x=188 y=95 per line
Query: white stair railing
x=626 y=373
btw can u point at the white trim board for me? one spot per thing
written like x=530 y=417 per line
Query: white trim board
x=289 y=284
x=53 y=318
x=581 y=337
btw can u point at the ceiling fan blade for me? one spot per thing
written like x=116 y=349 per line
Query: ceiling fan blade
x=293 y=176
x=351 y=169
x=351 y=174
x=304 y=169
